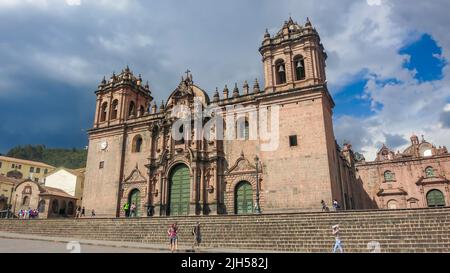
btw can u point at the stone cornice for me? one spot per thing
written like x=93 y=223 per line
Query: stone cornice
x=401 y=161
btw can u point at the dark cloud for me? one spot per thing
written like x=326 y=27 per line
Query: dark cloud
x=353 y=130
x=394 y=141
x=445 y=119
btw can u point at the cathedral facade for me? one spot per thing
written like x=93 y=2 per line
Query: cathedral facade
x=414 y=178
x=267 y=148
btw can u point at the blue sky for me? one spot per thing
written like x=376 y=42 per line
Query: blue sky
x=387 y=71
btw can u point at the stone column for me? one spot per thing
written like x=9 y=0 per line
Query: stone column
x=194 y=189
x=213 y=198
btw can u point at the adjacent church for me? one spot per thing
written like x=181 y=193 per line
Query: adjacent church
x=158 y=159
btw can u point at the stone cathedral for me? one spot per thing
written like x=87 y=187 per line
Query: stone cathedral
x=134 y=158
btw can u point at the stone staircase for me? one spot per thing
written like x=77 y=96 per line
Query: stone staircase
x=420 y=230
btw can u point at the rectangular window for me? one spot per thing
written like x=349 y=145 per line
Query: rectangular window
x=45 y=171
x=13 y=166
x=20 y=167
x=102 y=164
x=31 y=169
x=0 y=164
x=36 y=179
x=38 y=170
x=293 y=141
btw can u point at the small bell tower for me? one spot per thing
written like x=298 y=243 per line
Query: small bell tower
x=293 y=58
x=123 y=97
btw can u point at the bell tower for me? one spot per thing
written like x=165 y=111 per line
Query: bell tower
x=293 y=58
x=121 y=98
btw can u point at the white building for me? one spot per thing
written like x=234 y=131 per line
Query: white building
x=70 y=181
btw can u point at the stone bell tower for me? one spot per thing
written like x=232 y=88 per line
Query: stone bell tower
x=293 y=58
x=121 y=98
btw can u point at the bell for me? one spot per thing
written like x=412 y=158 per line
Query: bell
x=299 y=64
x=281 y=69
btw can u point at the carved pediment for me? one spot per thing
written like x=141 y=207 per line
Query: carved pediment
x=135 y=176
x=387 y=192
x=432 y=180
x=241 y=166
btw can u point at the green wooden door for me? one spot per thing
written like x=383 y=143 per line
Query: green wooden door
x=244 y=198
x=180 y=190
x=135 y=197
x=435 y=198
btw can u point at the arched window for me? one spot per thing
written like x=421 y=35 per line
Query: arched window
x=27 y=190
x=104 y=112
x=429 y=172
x=280 y=72
x=435 y=198
x=115 y=106
x=26 y=201
x=392 y=204
x=41 y=206
x=388 y=176
x=243 y=129
x=299 y=65
x=55 y=206
x=137 y=144
x=141 y=111
x=132 y=109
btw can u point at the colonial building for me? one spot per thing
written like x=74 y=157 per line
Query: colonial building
x=50 y=202
x=68 y=180
x=135 y=157
x=416 y=178
x=24 y=169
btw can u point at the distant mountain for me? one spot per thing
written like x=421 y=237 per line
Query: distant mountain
x=69 y=158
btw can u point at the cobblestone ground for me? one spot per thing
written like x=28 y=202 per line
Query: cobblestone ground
x=33 y=246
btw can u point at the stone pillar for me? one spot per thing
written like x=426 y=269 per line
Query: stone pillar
x=213 y=198
x=201 y=190
x=194 y=189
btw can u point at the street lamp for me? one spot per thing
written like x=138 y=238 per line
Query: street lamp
x=257 y=207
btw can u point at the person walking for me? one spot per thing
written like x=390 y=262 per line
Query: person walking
x=336 y=205
x=324 y=206
x=78 y=212
x=197 y=236
x=338 y=243
x=172 y=232
x=126 y=209
x=133 y=210
x=83 y=211
x=93 y=213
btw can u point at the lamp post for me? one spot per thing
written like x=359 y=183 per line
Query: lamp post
x=257 y=207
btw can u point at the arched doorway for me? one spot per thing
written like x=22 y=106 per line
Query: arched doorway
x=62 y=208
x=243 y=198
x=179 y=191
x=135 y=197
x=70 y=208
x=435 y=198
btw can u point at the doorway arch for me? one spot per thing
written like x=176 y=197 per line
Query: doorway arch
x=179 y=190
x=243 y=197
x=435 y=198
x=135 y=197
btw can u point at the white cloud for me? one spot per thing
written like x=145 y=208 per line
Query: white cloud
x=73 y=2
x=374 y=2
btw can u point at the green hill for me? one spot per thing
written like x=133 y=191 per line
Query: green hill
x=70 y=158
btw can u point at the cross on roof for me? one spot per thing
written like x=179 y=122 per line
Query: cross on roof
x=187 y=73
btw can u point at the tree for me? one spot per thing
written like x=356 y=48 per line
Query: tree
x=70 y=158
